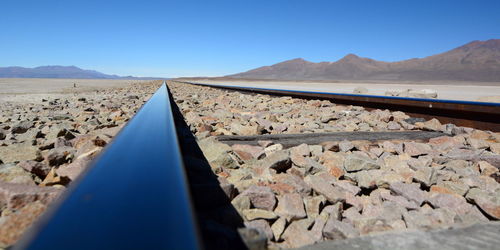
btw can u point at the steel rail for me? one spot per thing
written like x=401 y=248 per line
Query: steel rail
x=134 y=196
x=480 y=115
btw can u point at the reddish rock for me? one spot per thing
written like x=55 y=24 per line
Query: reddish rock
x=444 y=143
x=319 y=185
x=400 y=200
x=488 y=202
x=204 y=128
x=260 y=172
x=248 y=152
x=356 y=202
x=223 y=174
x=314 y=205
x=300 y=160
x=13 y=226
x=15 y=196
x=291 y=207
x=242 y=155
x=297 y=234
x=58 y=156
x=347 y=186
x=416 y=149
x=38 y=168
x=333 y=162
x=227 y=188
x=358 y=162
x=334 y=170
x=440 y=189
x=279 y=161
x=286 y=180
x=261 y=197
x=432 y=125
x=411 y=191
x=53 y=179
x=282 y=188
x=487 y=169
x=329 y=156
x=83 y=140
x=338 y=230
x=80 y=140
x=480 y=135
x=478 y=143
x=453 y=202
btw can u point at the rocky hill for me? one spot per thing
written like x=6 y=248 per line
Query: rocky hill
x=56 y=72
x=475 y=61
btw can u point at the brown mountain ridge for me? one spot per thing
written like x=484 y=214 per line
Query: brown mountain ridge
x=475 y=61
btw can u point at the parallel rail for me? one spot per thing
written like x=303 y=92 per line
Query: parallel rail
x=134 y=196
x=480 y=115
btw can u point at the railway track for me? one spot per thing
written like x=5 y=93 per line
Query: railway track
x=154 y=187
x=479 y=115
x=145 y=162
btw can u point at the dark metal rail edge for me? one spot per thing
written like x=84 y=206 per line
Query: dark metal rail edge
x=134 y=196
x=479 y=115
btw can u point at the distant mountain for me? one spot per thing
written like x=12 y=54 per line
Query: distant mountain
x=475 y=61
x=58 y=72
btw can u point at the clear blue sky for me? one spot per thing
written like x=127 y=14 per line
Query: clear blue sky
x=210 y=37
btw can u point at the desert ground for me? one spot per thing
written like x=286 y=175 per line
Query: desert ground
x=34 y=114
x=308 y=192
x=33 y=89
x=289 y=196
x=466 y=91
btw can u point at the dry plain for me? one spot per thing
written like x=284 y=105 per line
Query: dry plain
x=465 y=91
x=32 y=89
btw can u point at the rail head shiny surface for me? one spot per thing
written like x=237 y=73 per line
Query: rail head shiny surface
x=134 y=196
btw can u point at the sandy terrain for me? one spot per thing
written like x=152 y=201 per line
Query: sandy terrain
x=33 y=89
x=450 y=91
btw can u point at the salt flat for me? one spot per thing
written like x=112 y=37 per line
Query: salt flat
x=466 y=91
